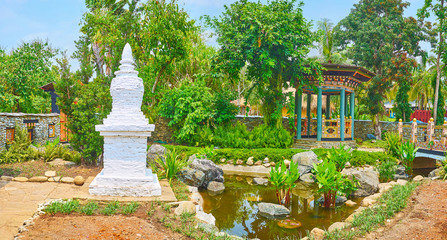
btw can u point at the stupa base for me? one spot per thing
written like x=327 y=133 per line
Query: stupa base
x=144 y=186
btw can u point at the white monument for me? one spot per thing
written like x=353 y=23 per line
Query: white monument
x=125 y=133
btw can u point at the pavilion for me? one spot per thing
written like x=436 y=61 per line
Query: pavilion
x=339 y=81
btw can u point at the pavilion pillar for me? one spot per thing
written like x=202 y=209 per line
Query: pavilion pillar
x=309 y=120
x=352 y=98
x=328 y=107
x=298 y=103
x=342 y=114
x=319 y=113
x=346 y=105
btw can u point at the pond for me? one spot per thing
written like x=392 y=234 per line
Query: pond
x=236 y=210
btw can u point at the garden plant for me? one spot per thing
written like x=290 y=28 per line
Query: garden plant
x=283 y=178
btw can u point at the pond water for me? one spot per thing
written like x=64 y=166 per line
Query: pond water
x=236 y=210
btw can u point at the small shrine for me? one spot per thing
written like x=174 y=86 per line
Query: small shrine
x=339 y=81
x=125 y=132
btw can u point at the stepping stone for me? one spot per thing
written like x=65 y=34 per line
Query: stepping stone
x=67 y=180
x=61 y=162
x=38 y=179
x=50 y=174
x=7 y=178
x=54 y=179
x=79 y=180
x=21 y=179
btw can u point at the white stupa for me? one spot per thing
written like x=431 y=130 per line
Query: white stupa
x=125 y=133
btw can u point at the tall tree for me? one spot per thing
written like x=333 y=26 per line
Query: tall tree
x=401 y=74
x=272 y=41
x=22 y=72
x=439 y=9
x=376 y=33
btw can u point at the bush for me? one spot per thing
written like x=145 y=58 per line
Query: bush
x=393 y=141
x=238 y=136
x=19 y=150
x=54 y=150
x=387 y=169
x=340 y=156
x=171 y=164
x=275 y=155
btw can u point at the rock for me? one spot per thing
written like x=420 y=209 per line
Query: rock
x=287 y=162
x=305 y=161
x=307 y=178
x=366 y=202
x=303 y=193
x=258 y=163
x=370 y=136
x=347 y=165
x=211 y=171
x=156 y=151
x=272 y=164
x=192 y=177
x=418 y=178
x=196 y=198
x=7 y=178
x=223 y=160
x=375 y=196
x=337 y=226
x=54 y=179
x=50 y=173
x=400 y=170
x=401 y=182
x=260 y=181
x=79 y=180
x=368 y=179
x=38 y=179
x=403 y=176
x=250 y=161
x=206 y=217
x=215 y=188
x=67 y=180
x=338 y=201
x=239 y=162
x=266 y=164
x=208 y=228
x=186 y=206
x=192 y=189
x=266 y=160
x=271 y=210
x=20 y=179
x=434 y=173
x=61 y=162
x=230 y=161
x=350 y=203
x=384 y=187
x=316 y=234
x=192 y=158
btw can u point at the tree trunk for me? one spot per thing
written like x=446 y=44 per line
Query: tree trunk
x=377 y=129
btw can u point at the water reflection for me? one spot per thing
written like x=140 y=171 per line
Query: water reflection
x=236 y=210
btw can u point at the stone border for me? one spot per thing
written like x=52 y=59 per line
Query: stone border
x=78 y=180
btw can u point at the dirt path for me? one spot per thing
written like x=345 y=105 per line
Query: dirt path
x=424 y=218
x=97 y=227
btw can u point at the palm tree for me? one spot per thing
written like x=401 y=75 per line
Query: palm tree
x=326 y=29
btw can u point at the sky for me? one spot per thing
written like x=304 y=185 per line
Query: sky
x=58 y=20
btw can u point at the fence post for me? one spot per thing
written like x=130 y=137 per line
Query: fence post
x=431 y=130
x=400 y=128
x=323 y=126
x=414 y=130
x=338 y=125
x=444 y=133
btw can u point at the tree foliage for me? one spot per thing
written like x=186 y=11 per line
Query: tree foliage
x=401 y=74
x=272 y=41
x=22 y=72
x=376 y=33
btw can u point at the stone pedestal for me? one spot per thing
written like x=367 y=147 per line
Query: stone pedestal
x=125 y=133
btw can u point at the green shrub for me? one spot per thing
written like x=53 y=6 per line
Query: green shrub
x=238 y=136
x=19 y=150
x=171 y=164
x=407 y=153
x=63 y=207
x=52 y=150
x=360 y=158
x=275 y=155
x=387 y=169
x=340 y=156
x=130 y=208
x=111 y=208
x=393 y=141
x=283 y=179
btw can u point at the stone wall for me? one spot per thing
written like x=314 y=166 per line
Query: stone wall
x=361 y=127
x=40 y=130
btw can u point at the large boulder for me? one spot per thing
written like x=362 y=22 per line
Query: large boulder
x=271 y=210
x=156 y=151
x=306 y=160
x=368 y=179
x=191 y=177
x=200 y=172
